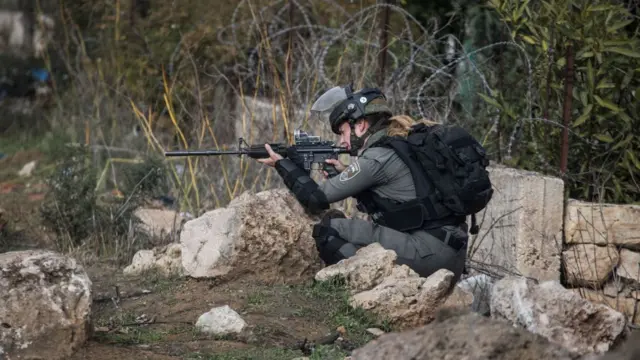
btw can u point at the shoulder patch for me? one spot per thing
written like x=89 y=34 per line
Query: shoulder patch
x=351 y=171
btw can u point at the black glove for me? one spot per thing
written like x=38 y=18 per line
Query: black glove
x=330 y=169
x=293 y=155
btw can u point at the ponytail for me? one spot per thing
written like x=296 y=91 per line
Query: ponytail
x=399 y=125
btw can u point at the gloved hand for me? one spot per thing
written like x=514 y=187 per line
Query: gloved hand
x=332 y=167
x=329 y=170
x=293 y=155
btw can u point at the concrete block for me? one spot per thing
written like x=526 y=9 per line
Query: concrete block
x=593 y=223
x=521 y=228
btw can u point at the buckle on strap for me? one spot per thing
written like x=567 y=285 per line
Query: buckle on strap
x=445 y=237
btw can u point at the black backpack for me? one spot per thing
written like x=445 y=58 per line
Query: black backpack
x=455 y=164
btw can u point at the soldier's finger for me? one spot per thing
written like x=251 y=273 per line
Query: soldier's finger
x=269 y=150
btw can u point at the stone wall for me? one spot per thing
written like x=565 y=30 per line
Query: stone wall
x=521 y=228
x=601 y=257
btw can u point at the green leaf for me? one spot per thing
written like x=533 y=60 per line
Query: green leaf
x=583 y=98
x=528 y=39
x=585 y=55
x=624 y=142
x=600 y=7
x=604 y=138
x=606 y=103
x=619 y=25
x=627 y=79
x=490 y=101
x=623 y=51
x=590 y=77
x=603 y=84
x=633 y=159
x=545 y=45
x=616 y=183
x=616 y=42
x=626 y=118
x=585 y=115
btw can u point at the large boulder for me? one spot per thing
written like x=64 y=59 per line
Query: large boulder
x=45 y=305
x=559 y=314
x=394 y=293
x=267 y=234
x=462 y=335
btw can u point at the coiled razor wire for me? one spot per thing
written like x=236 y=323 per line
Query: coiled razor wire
x=420 y=76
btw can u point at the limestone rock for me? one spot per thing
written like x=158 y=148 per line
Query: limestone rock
x=404 y=298
x=588 y=264
x=460 y=298
x=462 y=336
x=629 y=350
x=626 y=305
x=629 y=267
x=375 y=331
x=479 y=286
x=159 y=223
x=45 y=305
x=393 y=292
x=221 y=320
x=27 y=169
x=601 y=224
x=371 y=265
x=560 y=315
x=166 y=259
x=267 y=234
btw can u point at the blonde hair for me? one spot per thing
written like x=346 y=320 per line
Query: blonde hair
x=400 y=124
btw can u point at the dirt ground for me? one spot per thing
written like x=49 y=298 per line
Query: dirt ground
x=157 y=322
x=153 y=317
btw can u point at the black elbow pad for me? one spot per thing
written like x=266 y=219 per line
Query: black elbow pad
x=302 y=186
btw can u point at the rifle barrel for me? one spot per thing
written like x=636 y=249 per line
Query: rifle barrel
x=204 y=152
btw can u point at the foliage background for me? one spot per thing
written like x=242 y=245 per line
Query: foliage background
x=127 y=86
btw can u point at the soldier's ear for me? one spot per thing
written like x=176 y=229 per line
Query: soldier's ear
x=362 y=124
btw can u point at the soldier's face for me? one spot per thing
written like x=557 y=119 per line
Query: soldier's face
x=345 y=132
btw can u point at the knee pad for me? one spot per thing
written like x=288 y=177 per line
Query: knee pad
x=328 y=243
x=332 y=214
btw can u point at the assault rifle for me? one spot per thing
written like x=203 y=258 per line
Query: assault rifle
x=311 y=148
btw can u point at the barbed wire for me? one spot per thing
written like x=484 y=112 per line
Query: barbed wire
x=422 y=79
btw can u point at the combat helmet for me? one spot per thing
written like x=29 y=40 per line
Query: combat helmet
x=341 y=104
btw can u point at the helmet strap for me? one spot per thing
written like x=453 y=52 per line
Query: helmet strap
x=358 y=141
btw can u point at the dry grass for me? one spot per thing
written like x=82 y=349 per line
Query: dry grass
x=194 y=77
